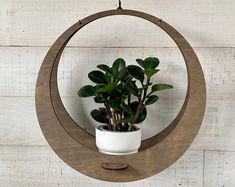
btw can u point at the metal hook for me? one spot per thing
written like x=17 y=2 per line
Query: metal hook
x=119 y=5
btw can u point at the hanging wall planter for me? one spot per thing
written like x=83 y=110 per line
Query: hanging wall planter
x=77 y=148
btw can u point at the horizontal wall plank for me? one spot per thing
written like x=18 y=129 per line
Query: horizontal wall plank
x=38 y=166
x=33 y=26
x=218 y=127
x=18 y=76
x=19 y=126
x=38 y=23
x=219 y=169
x=19 y=68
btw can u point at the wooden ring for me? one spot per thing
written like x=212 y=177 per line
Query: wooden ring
x=77 y=148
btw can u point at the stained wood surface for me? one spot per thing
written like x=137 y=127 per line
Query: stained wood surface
x=207 y=24
x=78 y=148
x=38 y=166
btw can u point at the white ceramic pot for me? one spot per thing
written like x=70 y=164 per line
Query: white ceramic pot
x=117 y=143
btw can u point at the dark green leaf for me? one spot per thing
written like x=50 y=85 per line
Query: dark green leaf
x=97 y=77
x=143 y=113
x=99 y=99
x=158 y=87
x=127 y=108
x=151 y=99
x=124 y=97
x=108 y=77
x=126 y=119
x=115 y=103
x=151 y=62
x=140 y=62
x=150 y=72
x=106 y=89
x=105 y=68
x=132 y=88
x=118 y=65
x=123 y=93
x=123 y=75
x=98 y=86
x=141 y=117
x=98 y=116
x=103 y=111
x=86 y=91
x=136 y=72
x=121 y=88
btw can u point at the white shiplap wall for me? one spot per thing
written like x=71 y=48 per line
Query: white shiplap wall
x=28 y=28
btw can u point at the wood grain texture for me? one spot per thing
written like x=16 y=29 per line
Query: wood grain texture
x=210 y=23
x=217 y=131
x=78 y=148
x=19 y=68
x=19 y=125
x=38 y=166
x=205 y=23
x=219 y=169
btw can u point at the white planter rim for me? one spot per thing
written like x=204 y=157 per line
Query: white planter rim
x=101 y=128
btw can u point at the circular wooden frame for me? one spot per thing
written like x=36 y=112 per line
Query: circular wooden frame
x=77 y=148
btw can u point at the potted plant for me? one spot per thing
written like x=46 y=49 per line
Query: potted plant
x=125 y=92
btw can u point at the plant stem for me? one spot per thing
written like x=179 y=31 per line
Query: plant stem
x=146 y=89
x=139 y=97
x=129 y=99
x=114 y=120
x=139 y=108
x=108 y=111
x=149 y=94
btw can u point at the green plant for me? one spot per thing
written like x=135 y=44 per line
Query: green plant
x=117 y=89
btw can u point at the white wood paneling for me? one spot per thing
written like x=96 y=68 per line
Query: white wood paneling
x=219 y=169
x=18 y=122
x=218 y=128
x=19 y=126
x=19 y=68
x=36 y=166
x=25 y=158
x=38 y=23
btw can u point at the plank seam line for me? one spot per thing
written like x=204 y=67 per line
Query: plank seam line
x=117 y=47
x=219 y=150
x=15 y=145
x=203 y=168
